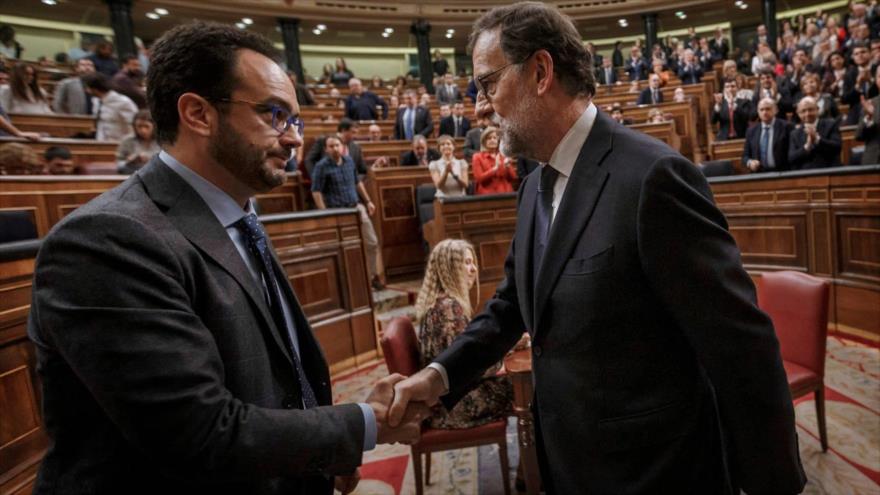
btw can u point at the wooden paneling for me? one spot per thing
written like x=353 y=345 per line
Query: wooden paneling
x=55 y=125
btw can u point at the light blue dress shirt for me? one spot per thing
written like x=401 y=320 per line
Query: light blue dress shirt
x=228 y=213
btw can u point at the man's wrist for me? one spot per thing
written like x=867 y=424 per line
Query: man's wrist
x=441 y=382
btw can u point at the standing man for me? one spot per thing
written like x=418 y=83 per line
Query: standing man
x=70 y=95
x=412 y=118
x=815 y=142
x=867 y=130
x=336 y=184
x=719 y=43
x=689 y=70
x=172 y=351
x=115 y=112
x=129 y=81
x=766 y=146
x=361 y=104
x=731 y=113
x=607 y=74
x=103 y=58
x=345 y=131
x=637 y=356
x=456 y=125
x=636 y=66
x=448 y=92
x=652 y=94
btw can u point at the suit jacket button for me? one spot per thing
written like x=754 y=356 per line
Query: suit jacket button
x=537 y=350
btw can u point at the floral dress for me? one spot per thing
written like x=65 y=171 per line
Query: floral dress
x=490 y=399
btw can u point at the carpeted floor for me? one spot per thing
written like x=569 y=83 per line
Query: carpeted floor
x=850 y=467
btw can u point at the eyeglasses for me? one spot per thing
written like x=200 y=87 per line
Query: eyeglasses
x=282 y=119
x=487 y=88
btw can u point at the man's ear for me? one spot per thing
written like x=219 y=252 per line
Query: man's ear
x=196 y=114
x=543 y=71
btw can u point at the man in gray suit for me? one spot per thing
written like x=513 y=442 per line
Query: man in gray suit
x=472 y=139
x=172 y=351
x=70 y=95
x=448 y=92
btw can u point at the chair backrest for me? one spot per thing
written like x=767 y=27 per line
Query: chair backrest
x=718 y=168
x=798 y=305
x=17 y=225
x=401 y=347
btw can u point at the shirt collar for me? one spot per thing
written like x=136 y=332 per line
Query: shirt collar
x=569 y=148
x=221 y=204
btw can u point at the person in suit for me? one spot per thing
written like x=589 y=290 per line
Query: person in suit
x=617 y=55
x=767 y=88
x=70 y=95
x=857 y=83
x=345 y=131
x=596 y=57
x=420 y=155
x=171 y=349
x=361 y=104
x=766 y=146
x=412 y=119
x=810 y=85
x=731 y=113
x=635 y=65
x=644 y=393
x=472 y=140
x=456 y=125
x=690 y=71
x=815 y=143
x=448 y=92
x=304 y=95
x=652 y=94
x=719 y=44
x=607 y=74
x=867 y=130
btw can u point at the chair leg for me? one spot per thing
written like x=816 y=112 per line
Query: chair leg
x=417 y=470
x=820 y=416
x=428 y=468
x=505 y=466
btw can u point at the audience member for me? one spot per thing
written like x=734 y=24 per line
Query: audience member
x=375 y=133
x=377 y=83
x=815 y=143
x=20 y=159
x=420 y=155
x=635 y=65
x=857 y=83
x=425 y=100
x=658 y=68
x=767 y=88
x=345 y=132
x=443 y=310
x=472 y=139
x=115 y=112
x=59 y=160
x=304 y=95
x=690 y=71
x=445 y=111
x=766 y=146
x=705 y=56
x=103 y=59
x=129 y=81
x=825 y=103
x=731 y=113
x=24 y=94
x=471 y=91
x=790 y=83
x=867 y=130
x=616 y=113
x=448 y=92
x=678 y=95
x=412 y=119
x=326 y=74
x=617 y=55
x=607 y=74
x=656 y=116
x=70 y=95
x=652 y=94
x=595 y=56
x=719 y=44
x=341 y=73
x=136 y=150
x=456 y=125
x=8 y=129
x=336 y=184
x=361 y=104
x=9 y=47
x=439 y=64
x=449 y=174
x=493 y=172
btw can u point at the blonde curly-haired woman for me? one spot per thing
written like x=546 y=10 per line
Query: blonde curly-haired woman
x=443 y=310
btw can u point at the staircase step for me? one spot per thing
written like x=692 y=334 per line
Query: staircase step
x=389 y=299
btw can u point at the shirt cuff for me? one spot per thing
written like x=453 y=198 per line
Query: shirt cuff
x=370 y=429
x=443 y=376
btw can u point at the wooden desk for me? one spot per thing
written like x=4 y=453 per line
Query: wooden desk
x=518 y=365
x=57 y=125
x=84 y=151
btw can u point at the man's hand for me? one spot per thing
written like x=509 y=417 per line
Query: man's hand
x=753 y=165
x=371 y=208
x=409 y=428
x=347 y=484
x=425 y=386
x=718 y=98
x=868 y=107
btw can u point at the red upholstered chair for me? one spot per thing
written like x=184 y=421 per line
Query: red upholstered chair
x=401 y=350
x=798 y=305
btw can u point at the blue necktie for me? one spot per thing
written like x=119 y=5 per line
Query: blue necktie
x=255 y=237
x=765 y=144
x=408 y=118
x=543 y=216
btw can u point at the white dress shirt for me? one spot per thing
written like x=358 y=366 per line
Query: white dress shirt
x=115 y=115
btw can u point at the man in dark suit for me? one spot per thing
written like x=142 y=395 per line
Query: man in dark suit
x=690 y=71
x=412 y=119
x=172 y=351
x=767 y=88
x=607 y=74
x=635 y=65
x=719 y=44
x=652 y=94
x=448 y=92
x=456 y=125
x=815 y=143
x=867 y=131
x=420 y=154
x=636 y=354
x=766 y=147
x=731 y=113
x=857 y=83
x=345 y=131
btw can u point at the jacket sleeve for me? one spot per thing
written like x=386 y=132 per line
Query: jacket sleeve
x=129 y=330
x=831 y=143
x=713 y=301
x=797 y=155
x=60 y=98
x=429 y=125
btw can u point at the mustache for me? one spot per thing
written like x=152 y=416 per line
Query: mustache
x=283 y=153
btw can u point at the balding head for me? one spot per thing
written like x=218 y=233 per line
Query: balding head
x=767 y=110
x=808 y=110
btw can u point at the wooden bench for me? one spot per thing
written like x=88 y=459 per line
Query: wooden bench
x=733 y=149
x=57 y=125
x=685 y=123
x=84 y=151
x=664 y=131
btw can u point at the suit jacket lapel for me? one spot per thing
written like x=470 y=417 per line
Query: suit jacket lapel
x=192 y=217
x=578 y=201
x=525 y=226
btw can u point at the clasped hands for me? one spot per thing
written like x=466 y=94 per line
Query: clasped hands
x=400 y=404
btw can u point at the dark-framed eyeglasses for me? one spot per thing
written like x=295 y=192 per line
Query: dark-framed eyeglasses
x=282 y=118
x=486 y=87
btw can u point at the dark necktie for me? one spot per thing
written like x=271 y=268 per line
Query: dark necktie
x=88 y=99
x=543 y=216
x=455 y=133
x=654 y=96
x=255 y=237
x=765 y=144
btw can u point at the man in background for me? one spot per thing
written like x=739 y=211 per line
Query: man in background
x=70 y=95
x=361 y=104
x=766 y=146
x=815 y=143
x=412 y=119
x=114 y=113
x=420 y=155
x=129 y=81
x=652 y=94
x=455 y=125
x=345 y=131
x=103 y=58
x=448 y=92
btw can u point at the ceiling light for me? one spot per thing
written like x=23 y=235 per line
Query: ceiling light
x=247 y=20
x=152 y=15
x=50 y=2
x=240 y=25
x=321 y=27
x=683 y=16
x=738 y=3
x=317 y=31
x=386 y=34
x=679 y=13
x=161 y=11
x=389 y=30
x=449 y=35
x=744 y=6
x=450 y=30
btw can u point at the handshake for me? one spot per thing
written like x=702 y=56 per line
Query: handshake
x=400 y=404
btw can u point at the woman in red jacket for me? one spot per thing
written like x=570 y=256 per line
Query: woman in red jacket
x=493 y=172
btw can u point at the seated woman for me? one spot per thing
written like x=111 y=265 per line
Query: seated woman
x=24 y=94
x=136 y=150
x=450 y=174
x=493 y=172
x=443 y=310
